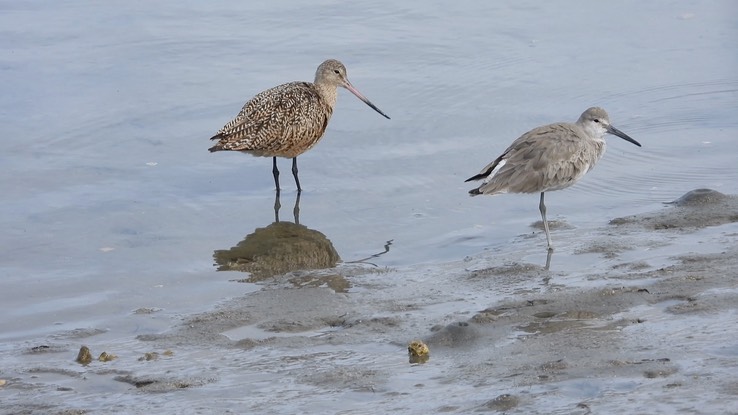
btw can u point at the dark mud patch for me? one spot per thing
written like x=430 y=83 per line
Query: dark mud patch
x=46 y=348
x=157 y=384
x=695 y=210
x=521 y=270
x=606 y=248
x=552 y=225
x=502 y=403
x=81 y=333
x=334 y=281
x=269 y=312
x=337 y=377
x=454 y=335
x=700 y=197
x=557 y=312
x=56 y=371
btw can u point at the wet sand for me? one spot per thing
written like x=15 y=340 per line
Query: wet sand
x=645 y=323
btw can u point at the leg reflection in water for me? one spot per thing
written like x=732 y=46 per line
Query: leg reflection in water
x=295 y=210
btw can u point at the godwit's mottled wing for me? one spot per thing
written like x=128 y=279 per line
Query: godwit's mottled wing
x=283 y=121
x=546 y=158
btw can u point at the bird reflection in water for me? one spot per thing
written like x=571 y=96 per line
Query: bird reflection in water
x=283 y=247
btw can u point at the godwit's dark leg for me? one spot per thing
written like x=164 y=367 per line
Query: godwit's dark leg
x=275 y=172
x=542 y=208
x=294 y=173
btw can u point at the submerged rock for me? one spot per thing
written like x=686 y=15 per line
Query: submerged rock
x=418 y=352
x=106 y=357
x=84 y=356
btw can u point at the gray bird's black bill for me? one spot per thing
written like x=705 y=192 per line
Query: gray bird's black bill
x=614 y=131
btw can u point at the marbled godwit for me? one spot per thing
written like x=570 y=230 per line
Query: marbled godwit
x=287 y=120
x=547 y=158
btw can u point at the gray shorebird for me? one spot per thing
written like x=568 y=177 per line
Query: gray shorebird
x=287 y=120
x=547 y=158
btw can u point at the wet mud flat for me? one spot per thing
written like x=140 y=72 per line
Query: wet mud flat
x=638 y=316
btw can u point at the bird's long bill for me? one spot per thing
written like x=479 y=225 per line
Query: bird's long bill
x=359 y=95
x=614 y=131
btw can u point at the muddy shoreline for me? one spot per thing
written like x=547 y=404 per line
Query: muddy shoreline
x=646 y=325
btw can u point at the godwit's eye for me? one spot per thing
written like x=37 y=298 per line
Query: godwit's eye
x=336 y=71
x=597 y=120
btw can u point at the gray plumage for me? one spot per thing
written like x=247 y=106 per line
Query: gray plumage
x=287 y=120
x=547 y=158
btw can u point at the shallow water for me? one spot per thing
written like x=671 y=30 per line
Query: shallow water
x=111 y=202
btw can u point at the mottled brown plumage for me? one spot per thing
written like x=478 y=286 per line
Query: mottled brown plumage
x=287 y=120
x=547 y=158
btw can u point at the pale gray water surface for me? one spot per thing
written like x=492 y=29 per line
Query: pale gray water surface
x=111 y=202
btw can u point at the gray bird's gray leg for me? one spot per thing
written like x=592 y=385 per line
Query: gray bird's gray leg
x=542 y=208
